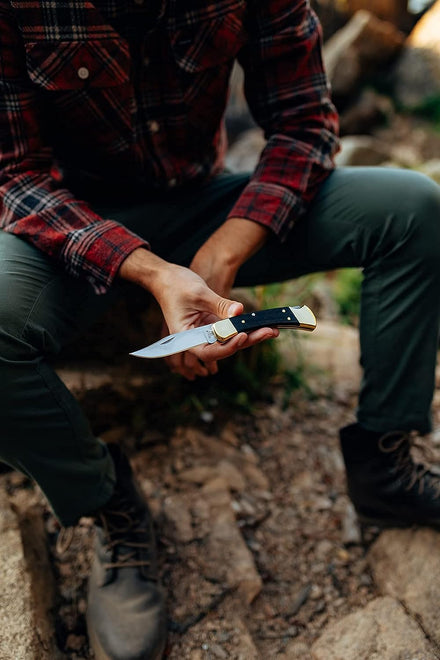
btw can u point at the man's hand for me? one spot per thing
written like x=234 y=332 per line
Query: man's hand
x=217 y=262
x=187 y=302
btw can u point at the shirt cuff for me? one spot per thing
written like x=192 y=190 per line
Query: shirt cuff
x=98 y=250
x=269 y=204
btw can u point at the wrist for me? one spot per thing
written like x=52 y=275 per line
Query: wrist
x=229 y=247
x=144 y=268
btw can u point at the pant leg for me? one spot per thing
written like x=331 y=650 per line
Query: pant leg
x=44 y=433
x=386 y=221
x=43 y=430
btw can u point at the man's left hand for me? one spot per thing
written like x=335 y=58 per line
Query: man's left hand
x=217 y=262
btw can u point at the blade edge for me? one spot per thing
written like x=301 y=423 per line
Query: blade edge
x=181 y=341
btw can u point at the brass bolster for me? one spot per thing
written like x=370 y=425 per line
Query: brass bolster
x=305 y=317
x=224 y=330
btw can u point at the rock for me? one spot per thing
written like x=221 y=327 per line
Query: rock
x=227 y=558
x=357 y=50
x=216 y=638
x=198 y=475
x=202 y=474
x=406 y=565
x=416 y=75
x=243 y=155
x=361 y=150
x=351 y=533
x=26 y=629
x=238 y=119
x=75 y=642
x=369 y=110
x=380 y=631
x=177 y=519
x=296 y=651
x=394 y=11
x=331 y=17
x=232 y=476
x=256 y=478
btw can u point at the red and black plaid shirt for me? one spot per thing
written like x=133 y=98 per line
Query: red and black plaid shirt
x=138 y=88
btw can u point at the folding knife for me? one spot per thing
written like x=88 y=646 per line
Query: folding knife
x=300 y=318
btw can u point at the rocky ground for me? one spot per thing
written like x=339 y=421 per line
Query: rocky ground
x=260 y=552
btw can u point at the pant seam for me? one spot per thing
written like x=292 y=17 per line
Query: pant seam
x=36 y=301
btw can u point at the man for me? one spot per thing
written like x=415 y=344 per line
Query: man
x=111 y=170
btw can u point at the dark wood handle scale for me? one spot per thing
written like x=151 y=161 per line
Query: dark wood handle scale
x=300 y=317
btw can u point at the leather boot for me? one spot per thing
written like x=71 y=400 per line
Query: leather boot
x=386 y=486
x=126 y=612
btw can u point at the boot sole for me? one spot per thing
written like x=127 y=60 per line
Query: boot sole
x=100 y=654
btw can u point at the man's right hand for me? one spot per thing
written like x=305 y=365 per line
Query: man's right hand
x=187 y=302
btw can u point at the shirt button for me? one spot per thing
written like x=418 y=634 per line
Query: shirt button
x=146 y=61
x=139 y=2
x=83 y=73
x=172 y=183
x=153 y=126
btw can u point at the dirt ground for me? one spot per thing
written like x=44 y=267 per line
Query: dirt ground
x=258 y=543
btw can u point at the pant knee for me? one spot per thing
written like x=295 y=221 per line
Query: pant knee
x=414 y=224
x=15 y=307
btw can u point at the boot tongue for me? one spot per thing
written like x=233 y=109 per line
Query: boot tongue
x=126 y=524
x=128 y=539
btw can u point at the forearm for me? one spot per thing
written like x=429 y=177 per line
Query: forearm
x=283 y=56
x=220 y=257
x=144 y=268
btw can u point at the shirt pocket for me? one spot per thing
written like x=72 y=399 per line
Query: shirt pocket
x=208 y=42
x=75 y=65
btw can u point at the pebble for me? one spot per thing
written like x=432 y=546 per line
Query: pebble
x=351 y=533
x=75 y=642
x=218 y=652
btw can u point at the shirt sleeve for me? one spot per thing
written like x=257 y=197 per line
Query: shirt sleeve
x=33 y=205
x=289 y=96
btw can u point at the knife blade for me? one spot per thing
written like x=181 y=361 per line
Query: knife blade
x=298 y=317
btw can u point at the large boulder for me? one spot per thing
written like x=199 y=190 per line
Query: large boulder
x=27 y=588
x=357 y=51
x=417 y=72
x=394 y=11
x=406 y=566
x=362 y=150
x=380 y=631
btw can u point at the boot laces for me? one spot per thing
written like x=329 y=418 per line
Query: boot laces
x=400 y=444
x=122 y=528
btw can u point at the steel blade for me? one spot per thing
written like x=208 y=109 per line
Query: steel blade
x=177 y=343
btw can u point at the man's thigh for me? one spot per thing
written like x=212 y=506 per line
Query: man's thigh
x=41 y=308
x=344 y=226
x=358 y=215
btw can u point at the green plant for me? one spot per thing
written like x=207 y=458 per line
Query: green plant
x=347 y=293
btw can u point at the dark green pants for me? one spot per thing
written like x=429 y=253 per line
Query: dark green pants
x=385 y=220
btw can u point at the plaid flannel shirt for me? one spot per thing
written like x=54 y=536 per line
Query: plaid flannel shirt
x=135 y=91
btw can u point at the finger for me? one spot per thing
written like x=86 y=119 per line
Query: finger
x=214 y=352
x=174 y=362
x=192 y=365
x=186 y=365
x=223 y=307
x=212 y=367
x=259 y=336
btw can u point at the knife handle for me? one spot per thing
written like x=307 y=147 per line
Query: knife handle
x=300 y=317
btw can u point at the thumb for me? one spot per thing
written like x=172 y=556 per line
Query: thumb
x=224 y=308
